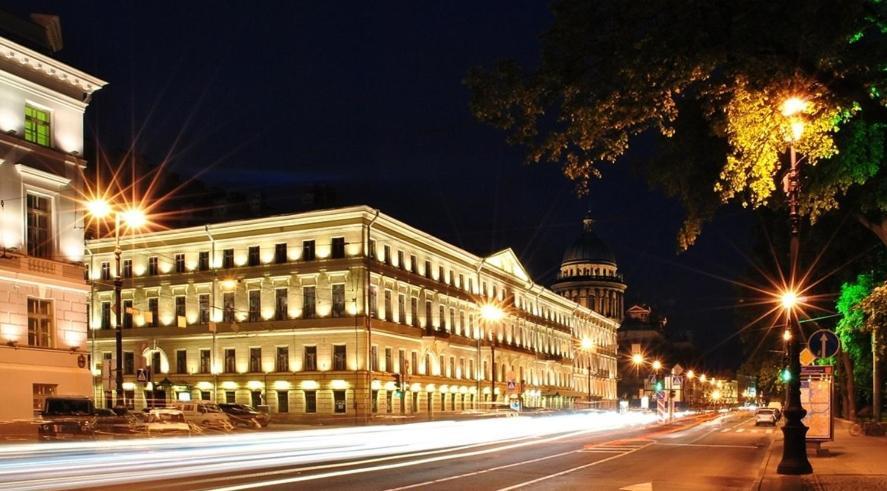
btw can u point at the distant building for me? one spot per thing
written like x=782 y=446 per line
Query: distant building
x=642 y=331
x=43 y=292
x=315 y=314
x=589 y=275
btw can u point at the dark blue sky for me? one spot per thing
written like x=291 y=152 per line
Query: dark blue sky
x=367 y=97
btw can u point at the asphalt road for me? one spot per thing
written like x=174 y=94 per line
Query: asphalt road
x=711 y=452
x=723 y=453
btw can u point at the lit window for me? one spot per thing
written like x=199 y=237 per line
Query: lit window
x=37 y=126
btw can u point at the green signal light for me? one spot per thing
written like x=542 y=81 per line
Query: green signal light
x=786 y=375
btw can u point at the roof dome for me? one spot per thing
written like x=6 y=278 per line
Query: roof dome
x=588 y=247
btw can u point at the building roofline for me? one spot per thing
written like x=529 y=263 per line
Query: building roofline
x=50 y=66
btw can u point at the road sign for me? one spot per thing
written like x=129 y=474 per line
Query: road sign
x=143 y=374
x=511 y=385
x=807 y=357
x=677 y=370
x=823 y=343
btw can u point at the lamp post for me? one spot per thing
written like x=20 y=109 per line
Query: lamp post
x=794 y=450
x=588 y=347
x=133 y=218
x=491 y=313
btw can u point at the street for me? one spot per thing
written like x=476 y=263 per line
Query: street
x=715 y=451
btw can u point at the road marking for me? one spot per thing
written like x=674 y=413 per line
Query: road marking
x=483 y=471
x=574 y=469
x=725 y=430
x=740 y=430
x=712 y=445
x=325 y=475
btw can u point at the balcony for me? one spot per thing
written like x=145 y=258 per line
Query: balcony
x=42 y=267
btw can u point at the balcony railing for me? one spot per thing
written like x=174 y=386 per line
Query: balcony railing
x=590 y=277
x=44 y=267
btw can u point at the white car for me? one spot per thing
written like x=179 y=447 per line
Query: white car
x=205 y=414
x=765 y=415
x=166 y=422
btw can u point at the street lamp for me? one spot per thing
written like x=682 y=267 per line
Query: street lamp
x=133 y=218
x=491 y=313
x=794 y=450
x=657 y=365
x=588 y=347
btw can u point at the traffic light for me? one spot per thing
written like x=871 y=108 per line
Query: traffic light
x=786 y=375
x=658 y=386
x=398 y=382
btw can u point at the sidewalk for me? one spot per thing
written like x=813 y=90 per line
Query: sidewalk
x=852 y=463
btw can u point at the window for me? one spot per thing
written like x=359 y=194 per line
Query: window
x=387 y=256
x=308 y=250
x=152 y=266
x=129 y=363
x=372 y=251
x=470 y=284
x=255 y=398
x=309 y=302
x=37 y=126
x=339 y=357
x=375 y=401
x=374 y=358
x=203 y=308
x=228 y=307
x=440 y=274
x=281 y=311
x=41 y=392
x=255 y=360
x=388 y=400
x=310 y=401
x=339 y=401
x=180 y=310
x=442 y=366
x=428 y=315
x=181 y=361
x=400 y=262
x=451 y=369
x=414 y=363
x=462 y=281
x=442 y=319
x=39 y=226
x=228 y=258
x=374 y=300
x=452 y=324
x=127 y=268
x=452 y=280
x=283 y=359
x=180 y=263
x=230 y=361
x=310 y=358
x=280 y=253
x=414 y=264
x=127 y=314
x=338 y=248
x=414 y=311
x=428 y=269
x=388 y=309
x=106 y=315
x=203 y=261
x=230 y=397
x=427 y=364
x=39 y=323
x=155 y=362
x=338 y=300
x=401 y=308
x=283 y=401
x=401 y=361
x=204 y=361
x=204 y=395
x=153 y=311
x=106 y=271
x=389 y=365
x=253 y=256
x=255 y=302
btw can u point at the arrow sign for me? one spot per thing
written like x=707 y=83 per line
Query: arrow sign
x=823 y=343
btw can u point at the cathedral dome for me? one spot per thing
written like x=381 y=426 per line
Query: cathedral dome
x=588 y=248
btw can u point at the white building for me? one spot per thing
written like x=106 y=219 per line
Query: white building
x=43 y=292
x=273 y=311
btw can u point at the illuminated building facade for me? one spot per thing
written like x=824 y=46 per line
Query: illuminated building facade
x=273 y=311
x=43 y=293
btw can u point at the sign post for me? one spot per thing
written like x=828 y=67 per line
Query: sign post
x=817 y=394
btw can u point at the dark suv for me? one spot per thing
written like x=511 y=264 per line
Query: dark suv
x=67 y=417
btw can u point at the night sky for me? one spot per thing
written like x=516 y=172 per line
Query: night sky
x=368 y=99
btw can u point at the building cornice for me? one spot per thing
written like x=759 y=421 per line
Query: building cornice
x=50 y=67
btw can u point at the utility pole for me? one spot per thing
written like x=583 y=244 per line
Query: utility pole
x=876 y=378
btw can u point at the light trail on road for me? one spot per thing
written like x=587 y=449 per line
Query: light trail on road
x=68 y=465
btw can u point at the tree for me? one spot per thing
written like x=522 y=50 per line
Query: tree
x=855 y=341
x=707 y=79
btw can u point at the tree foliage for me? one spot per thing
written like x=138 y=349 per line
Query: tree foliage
x=697 y=70
x=852 y=330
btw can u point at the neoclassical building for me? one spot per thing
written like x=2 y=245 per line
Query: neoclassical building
x=43 y=292
x=324 y=313
x=589 y=275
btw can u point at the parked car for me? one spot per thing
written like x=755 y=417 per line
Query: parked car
x=111 y=421
x=242 y=414
x=204 y=413
x=169 y=422
x=765 y=415
x=67 y=417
